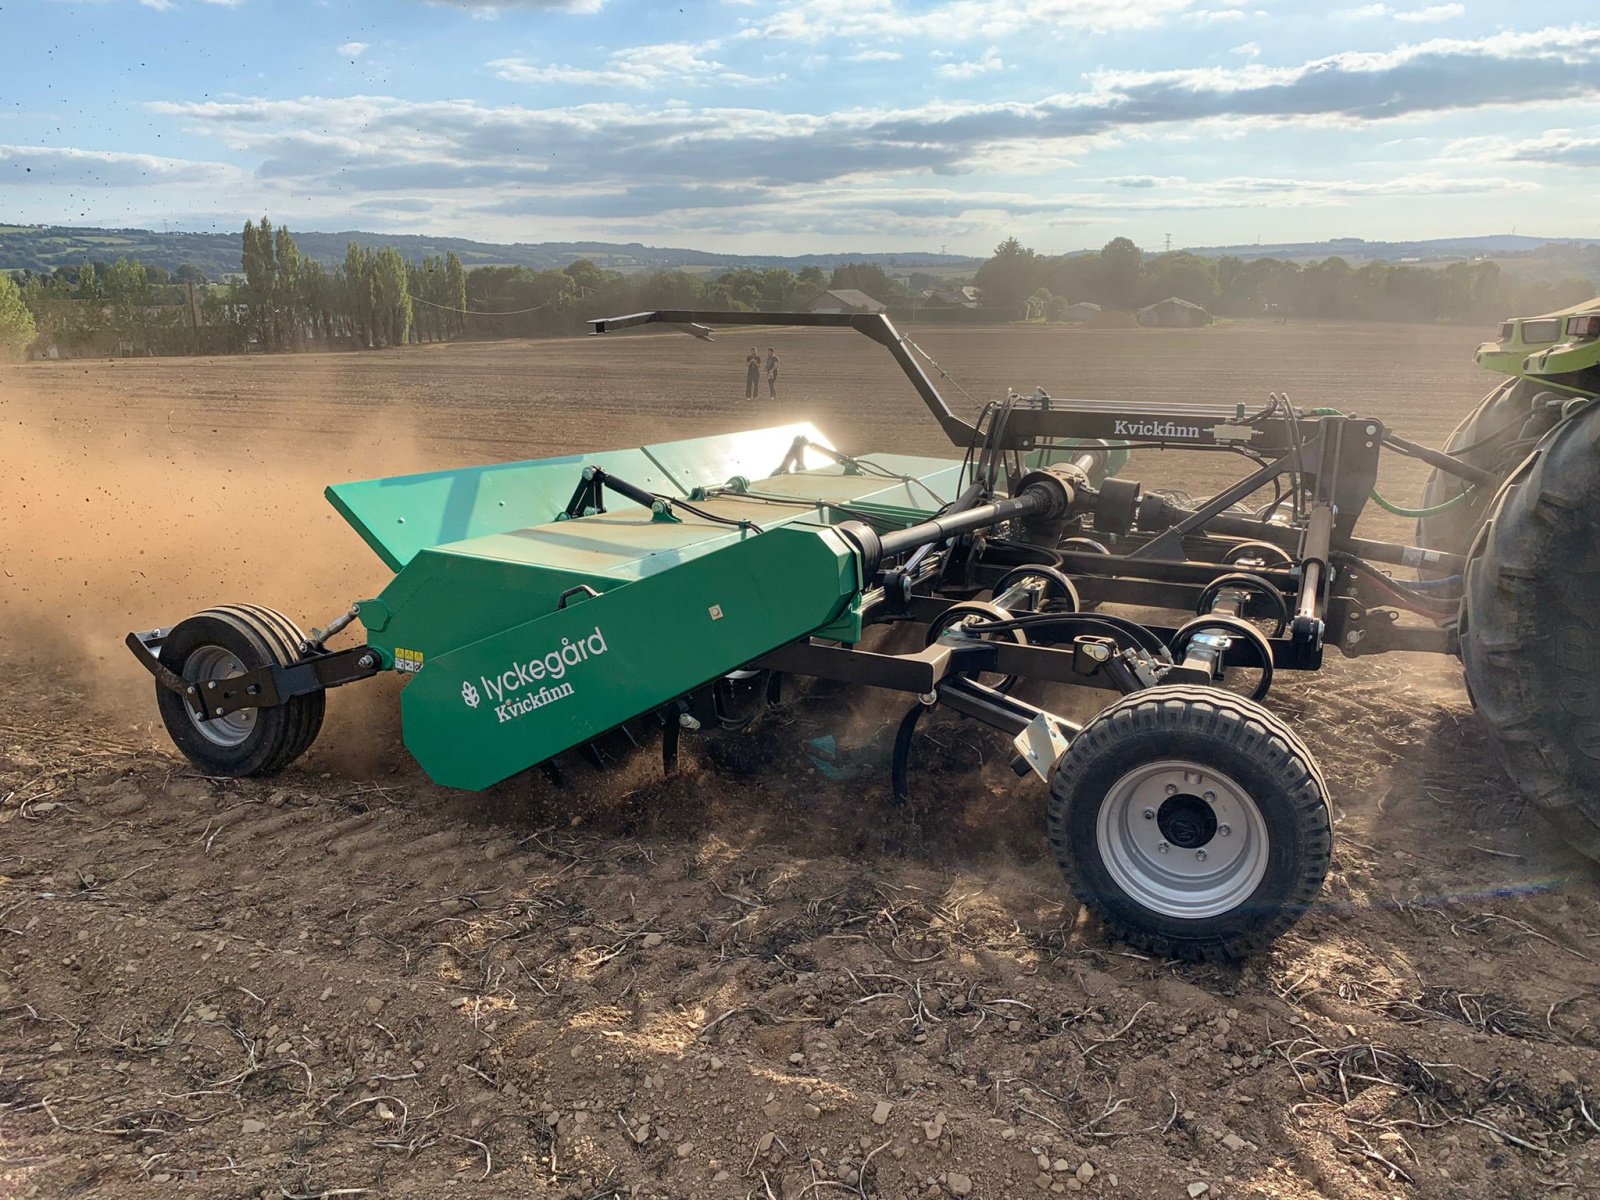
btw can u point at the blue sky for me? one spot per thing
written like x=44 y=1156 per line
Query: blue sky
x=808 y=124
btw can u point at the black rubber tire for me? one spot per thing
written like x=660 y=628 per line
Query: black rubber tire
x=1234 y=736
x=1493 y=423
x=256 y=636
x=1531 y=630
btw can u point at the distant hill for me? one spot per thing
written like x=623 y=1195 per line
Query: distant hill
x=45 y=247
x=1359 y=250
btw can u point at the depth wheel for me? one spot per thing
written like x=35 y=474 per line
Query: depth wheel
x=1192 y=822
x=220 y=643
x=1529 y=640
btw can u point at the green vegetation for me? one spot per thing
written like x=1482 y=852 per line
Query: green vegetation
x=16 y=322
x=1020 y=285
x=285 y=302
x=286 y=299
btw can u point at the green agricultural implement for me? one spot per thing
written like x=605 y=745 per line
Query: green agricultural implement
x=541 y=606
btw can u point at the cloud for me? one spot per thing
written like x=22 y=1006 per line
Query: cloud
x=1417 y=16
x=957 y=20
x=68 y=166
x=989 y=61
x=493 y=7
x=1558 y=147
x=1436 y=12
x=1247 y=50
x=875 y=56
x=691 y=158
x=158 y=5
x=637 y=67
x=351 y=49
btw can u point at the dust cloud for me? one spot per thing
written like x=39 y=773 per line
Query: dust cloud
x=116 y=516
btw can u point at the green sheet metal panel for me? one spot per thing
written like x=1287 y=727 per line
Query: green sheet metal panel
x=483 y=712
x=448 y=596
x=937 y=482
x=513 y=577
x=753 y=453
x=403 y=514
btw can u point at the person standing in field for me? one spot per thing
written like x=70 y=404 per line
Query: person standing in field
x=772 y=373
x=752 y=374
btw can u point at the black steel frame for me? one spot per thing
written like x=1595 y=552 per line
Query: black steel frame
x=1165 y=556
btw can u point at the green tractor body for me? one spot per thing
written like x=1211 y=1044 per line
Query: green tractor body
x=1559 y=349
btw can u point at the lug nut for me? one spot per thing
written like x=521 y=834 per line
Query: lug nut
x=1172 y=789
x=1209 y=797
x=1200 y=855
x=1223 y=830
x=1149 y=814
x=1162 y=846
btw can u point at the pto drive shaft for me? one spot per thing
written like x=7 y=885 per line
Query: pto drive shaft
x=1045 y=497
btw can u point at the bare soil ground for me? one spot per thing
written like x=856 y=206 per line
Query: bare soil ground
x=747 y=980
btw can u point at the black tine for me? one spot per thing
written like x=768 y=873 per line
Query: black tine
x=669 y=744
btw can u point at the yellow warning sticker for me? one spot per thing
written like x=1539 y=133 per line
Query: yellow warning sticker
x=407 y=660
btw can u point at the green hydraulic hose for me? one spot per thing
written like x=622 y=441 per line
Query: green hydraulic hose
x=1399 y=510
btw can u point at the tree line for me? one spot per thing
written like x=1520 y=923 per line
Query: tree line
x=1019 y=284
x=284 y=300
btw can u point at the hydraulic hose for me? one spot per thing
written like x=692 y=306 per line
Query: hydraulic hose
x=1444 y=506
x=1400 y=510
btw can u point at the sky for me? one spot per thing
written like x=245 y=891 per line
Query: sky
x=808 y=125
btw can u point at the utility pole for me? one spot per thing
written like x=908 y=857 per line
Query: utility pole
x=1169 y=243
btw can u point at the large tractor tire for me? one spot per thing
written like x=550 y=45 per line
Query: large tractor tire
x=1486 y=438
x=1531 y=630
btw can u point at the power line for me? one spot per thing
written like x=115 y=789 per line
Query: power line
x=516 y=312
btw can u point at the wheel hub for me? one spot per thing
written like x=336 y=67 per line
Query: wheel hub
x=1182 y=839
x=211 y=664
x=1186 y=821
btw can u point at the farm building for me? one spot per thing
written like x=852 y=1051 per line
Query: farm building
x=1173 y=313
x=1082 y=311
x=955 y=297
x=844 y=300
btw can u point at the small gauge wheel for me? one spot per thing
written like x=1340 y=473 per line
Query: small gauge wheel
x=1059 y=589
x=1233 y=627
x=1264 y=554
x=978 y=612
x=1244 y=581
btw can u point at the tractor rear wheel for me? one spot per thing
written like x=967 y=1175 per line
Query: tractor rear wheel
x=1531 y=635
x=1486 y=438
x=220 y=643
x=1192 y=822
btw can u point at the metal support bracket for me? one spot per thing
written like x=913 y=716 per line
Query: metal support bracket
x=264 y=687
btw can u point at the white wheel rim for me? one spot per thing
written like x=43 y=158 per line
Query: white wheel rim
x=1182 y=840
x=209 y=664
